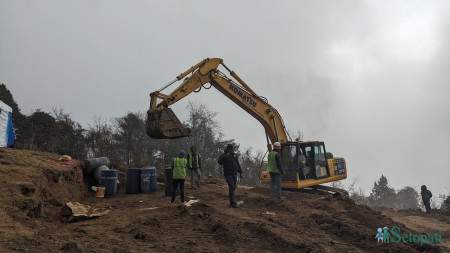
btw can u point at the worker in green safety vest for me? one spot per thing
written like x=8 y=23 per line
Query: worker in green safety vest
x=275 y=169
x=179 y=174
x=194 y=165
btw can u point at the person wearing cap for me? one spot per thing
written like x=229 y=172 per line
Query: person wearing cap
x=179 y=173
x=194 y=165
x=231 y=167
x=275 y=169
x=426 y=197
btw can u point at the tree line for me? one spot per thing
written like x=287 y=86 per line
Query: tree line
x=124 y=139
x=384 y=195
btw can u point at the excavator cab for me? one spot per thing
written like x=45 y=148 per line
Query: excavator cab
x=164 y=124
x=315 y=163
x=307 y=164
x=304 y=161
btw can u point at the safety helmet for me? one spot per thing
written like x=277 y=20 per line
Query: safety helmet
x=65 y=158
x=276 y=145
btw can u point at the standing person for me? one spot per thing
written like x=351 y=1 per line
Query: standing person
x=302 y=165
x=275 y=169
x=231 y=167
x=194 y=165
x=426 y=196
x=179 y=173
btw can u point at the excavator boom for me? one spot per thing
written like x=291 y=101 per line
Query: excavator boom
x=163 y=124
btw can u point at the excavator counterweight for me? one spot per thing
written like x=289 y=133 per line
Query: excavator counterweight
x=164 y=124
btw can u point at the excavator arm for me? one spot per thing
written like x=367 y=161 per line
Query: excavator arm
x=162 y=122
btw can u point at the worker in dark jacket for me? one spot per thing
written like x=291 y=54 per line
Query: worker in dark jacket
x=275 y=169
x=426 y=197
x=179 y=174
x=231 y=167
x=194 y=165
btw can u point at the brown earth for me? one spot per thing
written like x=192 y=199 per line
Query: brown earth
x=423 y=223
x=33 y=190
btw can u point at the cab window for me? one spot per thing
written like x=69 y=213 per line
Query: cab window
x=289 y=157
x=319 y=154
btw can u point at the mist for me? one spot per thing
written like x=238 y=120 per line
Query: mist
x=368 y=78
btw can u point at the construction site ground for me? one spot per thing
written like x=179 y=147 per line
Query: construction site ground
x=34 y=190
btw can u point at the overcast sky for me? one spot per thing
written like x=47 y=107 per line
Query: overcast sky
x=369 y=78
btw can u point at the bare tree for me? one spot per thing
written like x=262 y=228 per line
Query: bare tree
x=251 y=166
x=100 y=141
x=359 y=197
x=70 y=135
x=296 y=135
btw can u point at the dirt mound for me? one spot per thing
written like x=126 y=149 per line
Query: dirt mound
x=33 y=189
x=31 y=186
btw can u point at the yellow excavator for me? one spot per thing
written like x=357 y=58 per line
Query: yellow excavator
x=306 y=164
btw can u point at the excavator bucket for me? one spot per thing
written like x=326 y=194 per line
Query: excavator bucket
x=163 y=124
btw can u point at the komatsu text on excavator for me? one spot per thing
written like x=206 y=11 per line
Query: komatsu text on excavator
x=306 y=164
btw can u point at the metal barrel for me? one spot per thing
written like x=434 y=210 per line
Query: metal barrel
x=133 y=181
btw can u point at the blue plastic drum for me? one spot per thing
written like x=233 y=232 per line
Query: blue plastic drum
x=108 y=178
x=148 y=180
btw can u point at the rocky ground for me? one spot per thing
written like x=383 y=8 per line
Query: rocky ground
x=34 y=190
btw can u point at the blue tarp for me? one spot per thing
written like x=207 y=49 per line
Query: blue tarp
x=10 y=132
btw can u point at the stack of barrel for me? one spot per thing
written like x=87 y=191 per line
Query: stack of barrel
x=102 y=174
x=141 y=180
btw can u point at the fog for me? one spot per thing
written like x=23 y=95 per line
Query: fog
x=369 y=78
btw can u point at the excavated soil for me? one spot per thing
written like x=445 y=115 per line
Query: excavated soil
x=33 y=190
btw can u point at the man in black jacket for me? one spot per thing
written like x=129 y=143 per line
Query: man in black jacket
x=426 y=196
x=231 y=167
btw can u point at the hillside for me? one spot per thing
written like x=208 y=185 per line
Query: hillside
x=33 y=191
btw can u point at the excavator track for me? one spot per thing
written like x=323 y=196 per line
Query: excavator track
x=336 y=192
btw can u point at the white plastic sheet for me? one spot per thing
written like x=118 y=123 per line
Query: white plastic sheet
x=5 y=110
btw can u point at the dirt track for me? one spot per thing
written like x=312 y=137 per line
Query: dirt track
x=33 y=191
x=424 y=223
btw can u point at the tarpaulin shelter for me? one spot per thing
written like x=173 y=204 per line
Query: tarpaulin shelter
x=6 y=127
